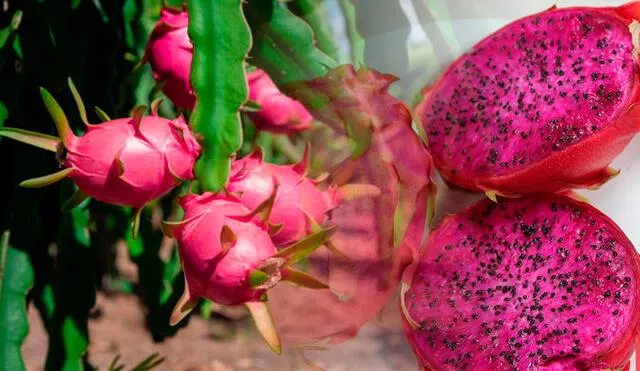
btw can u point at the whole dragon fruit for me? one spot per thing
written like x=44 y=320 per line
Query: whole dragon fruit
x=169 y=52
x=299 y=206
x=228 y=257
x=127 y=162
x=544 y=104
x=537 y=283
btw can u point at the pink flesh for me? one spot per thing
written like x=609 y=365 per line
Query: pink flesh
x=535 y=87
x=538 y=282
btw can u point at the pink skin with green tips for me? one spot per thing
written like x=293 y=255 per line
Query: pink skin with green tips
x=126 y=162
x=228 y=257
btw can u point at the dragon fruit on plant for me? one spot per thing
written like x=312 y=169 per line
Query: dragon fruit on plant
x=300 y=206
x=127 y=162
x=228 y=257
x=538 y=283
x=544 y=104
x=169 y=52
x=278 y=112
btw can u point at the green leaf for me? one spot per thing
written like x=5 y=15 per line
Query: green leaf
x=221 y=41
x=46 y=180
x=4 y=113
x=7 y=32
x=257 y=278
x=314 y=12
x=44 y=141
x=71 y=295
x=284 y=45
x=58 y=116
x=356 y=40
x=16 y=278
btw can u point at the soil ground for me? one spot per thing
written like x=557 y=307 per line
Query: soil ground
x=119 y=330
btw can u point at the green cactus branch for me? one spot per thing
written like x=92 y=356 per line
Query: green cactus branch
x=160 y=283
x=16 y=279
x=314 y=12
x=355 y=39
x=221 y=41
x=284 y=44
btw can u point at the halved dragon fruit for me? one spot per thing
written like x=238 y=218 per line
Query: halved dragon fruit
x=537 y=283
x=544 y=104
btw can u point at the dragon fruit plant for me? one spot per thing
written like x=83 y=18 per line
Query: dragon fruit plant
x=542 y=282
x=169 y=52
x=228 y=256
x=126 y=162
x=542 y=105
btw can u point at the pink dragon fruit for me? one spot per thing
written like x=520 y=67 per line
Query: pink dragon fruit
x=127 y=162
x=299 y=206
x=169 y=52
x=537 y=283
x=228 y=257
x=542 y=105
x=279 y=113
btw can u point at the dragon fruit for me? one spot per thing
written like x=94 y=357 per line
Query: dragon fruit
x=169 y=52
x=539 y=283
x=299 y=206
x=279 y=113
x=127 y=162
x=228 y=257
x=542 y=105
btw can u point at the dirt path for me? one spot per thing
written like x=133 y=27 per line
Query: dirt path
x=120 y=330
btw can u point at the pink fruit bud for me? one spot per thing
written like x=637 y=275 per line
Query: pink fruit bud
x=169 y=52
x=297 y=201
x=279 y=113
x=129 y=162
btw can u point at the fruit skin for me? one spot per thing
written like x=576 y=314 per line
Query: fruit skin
x=129 y=162
x=216 y=266
x=169 y=52
x=228 y=257
x=298 y=198
x=463 y=257
x=579 y=160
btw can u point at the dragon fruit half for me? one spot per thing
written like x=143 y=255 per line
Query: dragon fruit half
x=542 y=105
x=169 y=52
x=127 y=162
x=537 y=283
x=228 y=257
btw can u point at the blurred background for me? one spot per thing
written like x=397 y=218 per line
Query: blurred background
x=110 y=295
